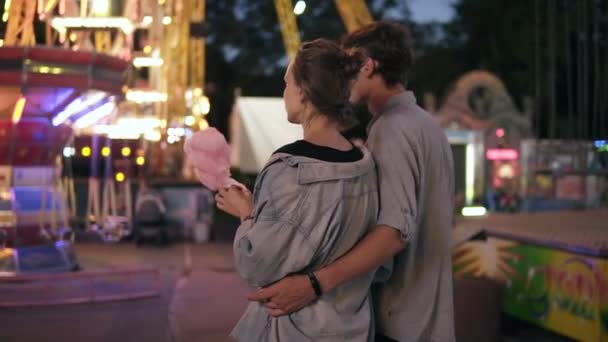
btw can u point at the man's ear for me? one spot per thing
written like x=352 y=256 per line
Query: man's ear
x=368 y=68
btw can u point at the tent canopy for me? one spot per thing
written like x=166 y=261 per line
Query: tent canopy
x=259 y=127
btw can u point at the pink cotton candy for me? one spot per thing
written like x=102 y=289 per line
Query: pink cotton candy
x=209 y=154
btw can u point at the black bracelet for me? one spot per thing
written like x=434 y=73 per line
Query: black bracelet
x=315 y=283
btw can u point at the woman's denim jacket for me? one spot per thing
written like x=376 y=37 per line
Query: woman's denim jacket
x=307 y=213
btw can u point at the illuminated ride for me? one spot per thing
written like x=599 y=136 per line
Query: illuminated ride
x=48 y=93
x=41 y=89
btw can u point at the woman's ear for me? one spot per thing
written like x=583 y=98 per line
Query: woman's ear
x=301 y=96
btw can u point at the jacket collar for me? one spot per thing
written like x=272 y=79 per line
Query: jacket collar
x=312 y=170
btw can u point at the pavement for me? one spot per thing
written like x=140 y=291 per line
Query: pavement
x=201 y=299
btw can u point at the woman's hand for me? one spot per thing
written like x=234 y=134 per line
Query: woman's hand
x=234 y=201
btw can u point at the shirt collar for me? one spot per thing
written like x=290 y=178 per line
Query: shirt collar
x=405 y=99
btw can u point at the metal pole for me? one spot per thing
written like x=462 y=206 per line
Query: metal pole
x=604 y=99
x=551 y=80
x=571 y=129
x=595 y=132
x=585 y=70
x=537 y=73
x=579 y=73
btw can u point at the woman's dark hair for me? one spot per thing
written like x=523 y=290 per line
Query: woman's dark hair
x=389 y=44
x=326 y=73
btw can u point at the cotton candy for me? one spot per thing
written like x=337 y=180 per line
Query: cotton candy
x=209 y=154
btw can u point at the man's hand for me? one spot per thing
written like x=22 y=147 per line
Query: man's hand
x=285 y=296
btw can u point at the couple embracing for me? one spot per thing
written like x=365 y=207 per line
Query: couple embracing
x=346 y=242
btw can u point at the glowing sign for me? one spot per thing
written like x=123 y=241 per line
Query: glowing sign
x=502 y=154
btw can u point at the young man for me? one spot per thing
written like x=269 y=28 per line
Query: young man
x=416 y=184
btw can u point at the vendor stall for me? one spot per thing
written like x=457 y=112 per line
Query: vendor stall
x=554 y=267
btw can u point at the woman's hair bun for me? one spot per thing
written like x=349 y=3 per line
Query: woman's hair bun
x=326 y=72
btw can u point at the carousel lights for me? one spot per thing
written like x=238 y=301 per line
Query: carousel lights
x=147 y=20
x=18 y=110
x=124 y=135
x=61 y=24
x=130 y=128
x=141 y=123
x=7 y=6
x=205 y=105
x=203 y=125
x=177 y=131
x=101 y=7
x=78 y=106
x=5 y=195
x=119 y=132
x=299 y=8
x=201 y=106
x=152 y=136
x=140 y=160
x=172 y=139
x=105 y=151
x=143 y=62
x=189 y=120
x=143 y=96
x=86 y=151
x=47 y=70
x=125 y=151
x=120 y=176
x=69 y=151
x=95 y=115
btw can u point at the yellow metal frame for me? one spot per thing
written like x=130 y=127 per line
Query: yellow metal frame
x=103 y=41
x=289 y=27
x=197 y=48
x=20 y=26
x=354 y=13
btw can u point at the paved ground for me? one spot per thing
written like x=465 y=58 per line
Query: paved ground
x=200 y=305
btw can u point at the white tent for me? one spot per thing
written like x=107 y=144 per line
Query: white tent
x=258 y=127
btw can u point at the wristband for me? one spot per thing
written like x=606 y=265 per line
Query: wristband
x=315 y=284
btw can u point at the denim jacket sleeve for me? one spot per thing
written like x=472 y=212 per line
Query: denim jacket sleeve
x=270 y=246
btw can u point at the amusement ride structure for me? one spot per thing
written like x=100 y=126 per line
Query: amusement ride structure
x=100 y=89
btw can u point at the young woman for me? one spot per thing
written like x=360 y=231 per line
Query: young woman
x=312 y=202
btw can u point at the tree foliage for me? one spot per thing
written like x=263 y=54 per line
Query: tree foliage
x=536 y=47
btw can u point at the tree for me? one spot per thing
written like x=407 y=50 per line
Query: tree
x=245 y=49
x=554 y=51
